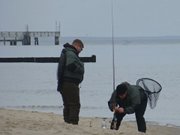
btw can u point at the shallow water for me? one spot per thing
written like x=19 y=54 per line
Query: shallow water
x=32 y=86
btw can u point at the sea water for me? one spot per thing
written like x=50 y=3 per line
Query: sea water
x=32 y=86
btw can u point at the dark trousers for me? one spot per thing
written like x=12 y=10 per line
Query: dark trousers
x=139 y=113
x=71 y=102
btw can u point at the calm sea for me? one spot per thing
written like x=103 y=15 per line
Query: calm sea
x=32 y=86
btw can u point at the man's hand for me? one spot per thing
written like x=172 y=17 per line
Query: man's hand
x=119 y=109
x=111 y=106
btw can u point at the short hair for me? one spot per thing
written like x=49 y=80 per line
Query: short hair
x=78 y=41
x=121 y=88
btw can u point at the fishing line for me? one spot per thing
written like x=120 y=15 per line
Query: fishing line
x=112 y=32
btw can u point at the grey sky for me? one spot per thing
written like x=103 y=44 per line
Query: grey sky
x=93 y=17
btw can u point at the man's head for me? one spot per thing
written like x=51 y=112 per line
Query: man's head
x=78 y=44
x=122 y=90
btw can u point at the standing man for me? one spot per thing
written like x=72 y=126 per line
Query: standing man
x=70 y=74
x=128 y=99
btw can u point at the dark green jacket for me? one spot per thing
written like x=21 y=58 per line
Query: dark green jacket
x=70 y=67
x=74 y=67
x=135 y=96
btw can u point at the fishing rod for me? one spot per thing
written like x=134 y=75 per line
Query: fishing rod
x=112 y=32
x=103 y=125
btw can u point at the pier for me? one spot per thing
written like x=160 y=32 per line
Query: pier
x=26 y=38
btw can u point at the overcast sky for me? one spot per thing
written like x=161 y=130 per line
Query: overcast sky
x=93 y=17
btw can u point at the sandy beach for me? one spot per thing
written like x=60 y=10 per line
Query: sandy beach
x=19 y=122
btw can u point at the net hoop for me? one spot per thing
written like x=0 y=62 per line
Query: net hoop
x=142 y=80
x=151 y=88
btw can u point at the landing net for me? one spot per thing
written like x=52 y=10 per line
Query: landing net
x=152 y=89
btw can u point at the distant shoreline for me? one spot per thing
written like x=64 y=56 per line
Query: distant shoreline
x=108 y=40
x=126 y=40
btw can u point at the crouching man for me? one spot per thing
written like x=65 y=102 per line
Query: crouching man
x=128 y=99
